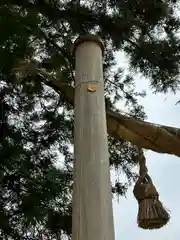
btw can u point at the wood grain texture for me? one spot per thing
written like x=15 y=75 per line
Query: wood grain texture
x=92 y=197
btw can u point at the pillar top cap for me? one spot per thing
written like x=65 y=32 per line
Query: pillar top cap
x=88 y=38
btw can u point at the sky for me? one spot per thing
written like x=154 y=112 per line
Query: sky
x=164 y=170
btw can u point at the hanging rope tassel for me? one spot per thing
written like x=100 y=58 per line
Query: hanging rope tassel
x=151 y=214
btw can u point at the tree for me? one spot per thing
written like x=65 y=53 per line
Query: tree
x=37 y=120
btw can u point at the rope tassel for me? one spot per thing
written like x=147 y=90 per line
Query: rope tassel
x=151 y=214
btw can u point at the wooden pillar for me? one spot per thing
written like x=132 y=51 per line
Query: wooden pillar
x=92 y=197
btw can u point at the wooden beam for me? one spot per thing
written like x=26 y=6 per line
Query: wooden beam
x=155 y=137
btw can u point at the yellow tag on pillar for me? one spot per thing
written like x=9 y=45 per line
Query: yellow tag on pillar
x=92 y=87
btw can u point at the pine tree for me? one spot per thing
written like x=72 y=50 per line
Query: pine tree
x=36 y=121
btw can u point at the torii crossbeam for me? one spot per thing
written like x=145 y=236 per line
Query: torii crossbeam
x=155 y=137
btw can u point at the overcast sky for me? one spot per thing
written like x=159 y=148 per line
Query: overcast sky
x=164 y=170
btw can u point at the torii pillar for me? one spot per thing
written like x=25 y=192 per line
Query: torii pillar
x=92 y=198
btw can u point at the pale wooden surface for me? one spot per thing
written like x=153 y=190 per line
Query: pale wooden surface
x=92 y=198
x=156 y=137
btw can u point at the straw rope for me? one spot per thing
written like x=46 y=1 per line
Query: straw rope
x=151 y=214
